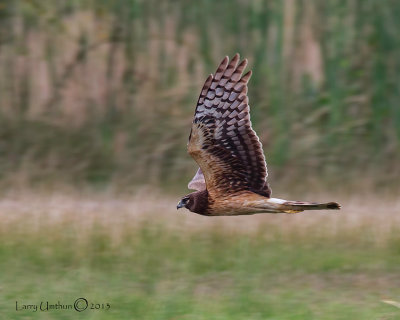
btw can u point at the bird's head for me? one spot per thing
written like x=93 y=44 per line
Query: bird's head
x=184 y=202
x=196 y=202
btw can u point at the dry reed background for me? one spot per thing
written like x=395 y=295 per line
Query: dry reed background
x=99 y=92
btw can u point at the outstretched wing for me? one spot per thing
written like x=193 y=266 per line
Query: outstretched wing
x=222 y=140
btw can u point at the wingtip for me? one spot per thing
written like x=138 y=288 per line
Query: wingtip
x=235 y=58
x=243 y=64
x=222 y=66
x=247 y=75
x=333 y=205
x=224 y=61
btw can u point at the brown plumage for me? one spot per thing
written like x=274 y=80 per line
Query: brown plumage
x=232 y=176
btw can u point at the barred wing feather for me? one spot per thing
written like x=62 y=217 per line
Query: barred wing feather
x=222 y=140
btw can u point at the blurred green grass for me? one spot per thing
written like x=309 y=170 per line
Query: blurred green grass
x=158 y=267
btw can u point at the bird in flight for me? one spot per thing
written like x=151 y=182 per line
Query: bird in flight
x=231 y=179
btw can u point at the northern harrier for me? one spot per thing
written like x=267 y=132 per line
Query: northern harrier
x=232 y=176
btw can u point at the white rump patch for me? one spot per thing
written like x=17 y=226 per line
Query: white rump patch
x=276 y=200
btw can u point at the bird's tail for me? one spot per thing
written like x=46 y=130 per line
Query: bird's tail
x=300 y=205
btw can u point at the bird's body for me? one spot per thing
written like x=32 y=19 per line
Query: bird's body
x=232 y=176
x=247 y=203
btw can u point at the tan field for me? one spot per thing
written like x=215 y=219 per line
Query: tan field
x=147 y=260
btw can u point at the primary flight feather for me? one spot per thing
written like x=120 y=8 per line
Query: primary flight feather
x=232 y=174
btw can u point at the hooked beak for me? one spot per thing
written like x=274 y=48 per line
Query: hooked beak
x=180 y=205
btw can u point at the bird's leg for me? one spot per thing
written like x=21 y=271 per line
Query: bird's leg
x=293 y=211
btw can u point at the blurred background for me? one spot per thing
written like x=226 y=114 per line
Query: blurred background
x=96 y=101
x=102 y=92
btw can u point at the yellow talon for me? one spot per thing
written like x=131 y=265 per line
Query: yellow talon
x=293 y=211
